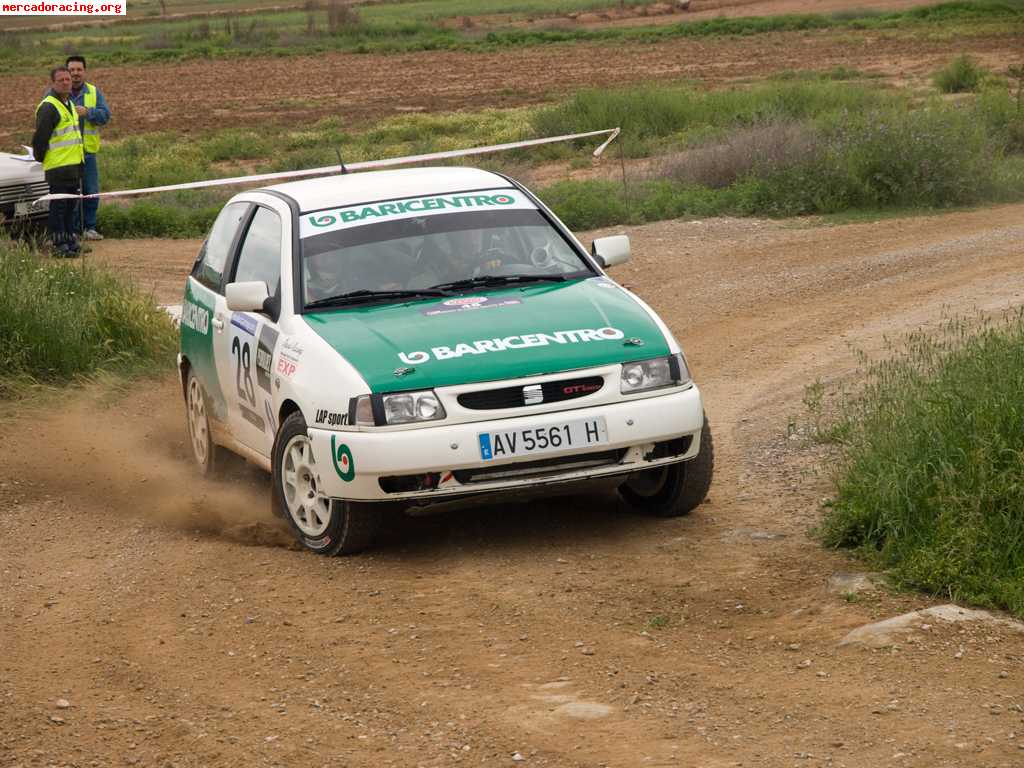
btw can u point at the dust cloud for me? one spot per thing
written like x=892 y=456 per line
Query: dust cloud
x=109 y=451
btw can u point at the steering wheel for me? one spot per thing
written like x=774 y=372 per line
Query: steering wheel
x=541 y=256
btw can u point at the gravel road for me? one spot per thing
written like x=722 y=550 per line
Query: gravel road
x=149 y=619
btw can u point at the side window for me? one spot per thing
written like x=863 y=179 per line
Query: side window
x=260 y=257
x=210 y=265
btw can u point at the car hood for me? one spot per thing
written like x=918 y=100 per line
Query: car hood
x=14 y=168
x=491 y=335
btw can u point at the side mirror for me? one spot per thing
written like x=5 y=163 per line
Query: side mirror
x=247 y=297
x=610 y=251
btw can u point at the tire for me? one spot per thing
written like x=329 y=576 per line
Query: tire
x=322 y=525
x=211 y=458
x=674 y=490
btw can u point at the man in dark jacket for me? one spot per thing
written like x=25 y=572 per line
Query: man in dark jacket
x=57 y=144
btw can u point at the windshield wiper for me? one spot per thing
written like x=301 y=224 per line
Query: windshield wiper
x=356 y=297
x=489 y=280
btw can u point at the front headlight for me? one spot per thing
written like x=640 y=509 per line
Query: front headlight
x=399 y=408
x=654 y=373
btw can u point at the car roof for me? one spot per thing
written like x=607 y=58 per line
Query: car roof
x=354 y=188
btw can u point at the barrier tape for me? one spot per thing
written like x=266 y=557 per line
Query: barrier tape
x=334 y=169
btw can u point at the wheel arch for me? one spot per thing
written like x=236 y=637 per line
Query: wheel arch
x=184 y=366
x=288 y=407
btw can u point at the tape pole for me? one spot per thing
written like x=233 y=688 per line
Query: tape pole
x=334 y=170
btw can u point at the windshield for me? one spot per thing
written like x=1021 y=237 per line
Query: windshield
x=418 y=253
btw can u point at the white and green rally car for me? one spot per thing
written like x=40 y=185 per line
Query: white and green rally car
x=427 y=337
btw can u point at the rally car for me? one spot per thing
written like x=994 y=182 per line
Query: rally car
x=428 y=337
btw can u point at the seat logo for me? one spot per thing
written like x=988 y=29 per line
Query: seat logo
x=533 y=394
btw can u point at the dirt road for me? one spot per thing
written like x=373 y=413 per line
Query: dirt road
x=183 y=629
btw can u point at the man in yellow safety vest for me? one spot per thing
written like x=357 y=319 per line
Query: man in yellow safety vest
x=57 y=144
x=92 y=112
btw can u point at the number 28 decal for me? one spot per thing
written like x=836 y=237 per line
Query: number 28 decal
x=243 y=371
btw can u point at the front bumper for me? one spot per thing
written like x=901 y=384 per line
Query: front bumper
x=443 y=462
x=20 y=211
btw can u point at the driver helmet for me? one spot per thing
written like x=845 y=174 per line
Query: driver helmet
x=322 y=276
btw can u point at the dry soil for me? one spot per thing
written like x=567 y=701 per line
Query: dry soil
x=181 y=627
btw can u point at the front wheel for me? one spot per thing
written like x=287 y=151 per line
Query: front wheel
x=321 y=524
x=674 y=490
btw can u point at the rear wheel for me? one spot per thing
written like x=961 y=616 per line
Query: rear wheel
x=321 y=524
x=674 y=490
x=209 y=457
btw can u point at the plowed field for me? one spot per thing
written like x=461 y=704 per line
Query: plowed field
x=201 y=95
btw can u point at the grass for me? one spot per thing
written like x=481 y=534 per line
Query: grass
x=658 y=622
x=962 y=75
x=61 y=322
x=178 y=214
x=416 y=26
x=656 y=116
x=930 y=483
x=162 y=158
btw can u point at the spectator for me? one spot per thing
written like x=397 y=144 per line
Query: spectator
x=57 y=144
x=92 y=112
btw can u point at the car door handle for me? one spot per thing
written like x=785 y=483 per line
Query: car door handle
x=218 y=324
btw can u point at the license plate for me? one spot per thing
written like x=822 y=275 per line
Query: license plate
x=581 y=433
x=21 y=209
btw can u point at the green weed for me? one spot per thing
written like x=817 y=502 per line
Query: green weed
x=938 y=156
x=60 y=321
x=1003 y=116
x=658 y=116
x=931 y=480
x=961 y=75
x=178 y=214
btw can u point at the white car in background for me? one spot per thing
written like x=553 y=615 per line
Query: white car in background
x=21 y=182
x=427 y=337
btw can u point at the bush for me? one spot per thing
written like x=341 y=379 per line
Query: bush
x=962 y=75
x=653 y=115
x=587 y=204
x=756 y=150
x=935 y=156
x=1009 y=180
x=931 y=482
x=1003 y=118
x=61 y=320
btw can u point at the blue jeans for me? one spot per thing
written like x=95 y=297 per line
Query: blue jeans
x=90 y=186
